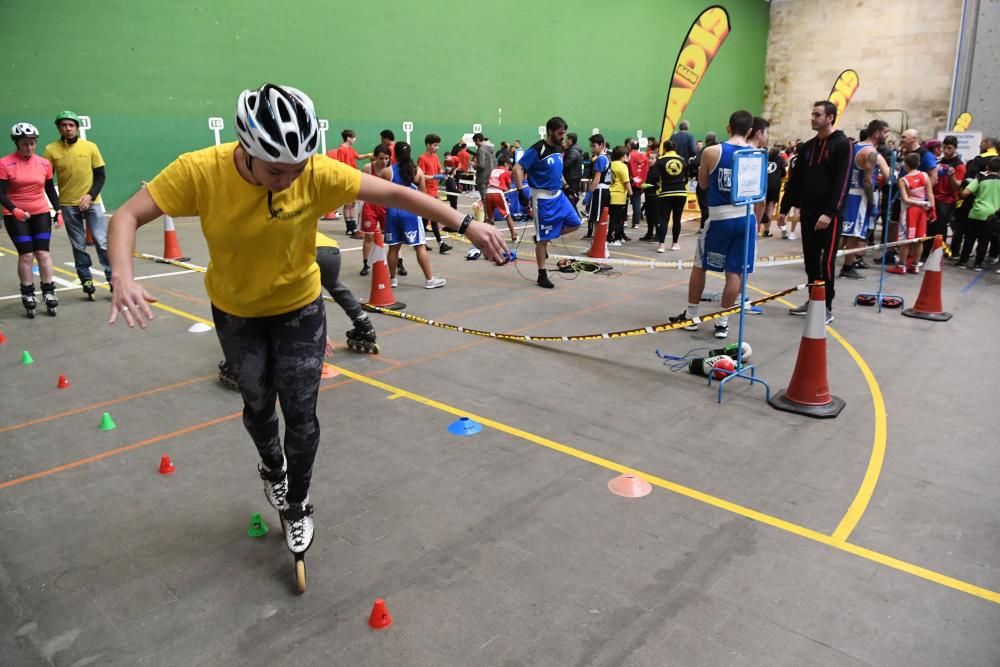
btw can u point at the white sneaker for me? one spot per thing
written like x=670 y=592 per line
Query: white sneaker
x=615 y=244
x=676 y=246
x=435 y=282
x=792 y=236
x=659 y=248
x=393 y=283
x=299 y=526
x=784 y=233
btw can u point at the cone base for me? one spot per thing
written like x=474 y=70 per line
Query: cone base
x=630 y=486
x=933 y=317
x=781 y=402
x=398 y=305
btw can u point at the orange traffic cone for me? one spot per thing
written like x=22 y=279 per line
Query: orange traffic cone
x=171 y=248
x=3 y=338
x=928 y=306
x=380 y=618
x=599 y=246
x=808 y=392
x=692 y=202
x=62 y=382
x=166 y=465
x=381 y=294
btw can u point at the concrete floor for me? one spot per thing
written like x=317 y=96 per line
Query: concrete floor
x=506 y=548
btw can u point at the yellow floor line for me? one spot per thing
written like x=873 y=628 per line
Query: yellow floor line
x=694 y=494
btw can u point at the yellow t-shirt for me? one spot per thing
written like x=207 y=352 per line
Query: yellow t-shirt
x=261 y=264
x=619 y=180
x=324 y=241
x=74 y=165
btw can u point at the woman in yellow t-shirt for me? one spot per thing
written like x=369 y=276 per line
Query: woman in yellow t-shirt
x=621 y=190
x=259 y=200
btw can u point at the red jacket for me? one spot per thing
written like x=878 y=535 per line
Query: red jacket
x=638 y=168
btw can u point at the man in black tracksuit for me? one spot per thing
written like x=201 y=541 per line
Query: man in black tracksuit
x=818 y=187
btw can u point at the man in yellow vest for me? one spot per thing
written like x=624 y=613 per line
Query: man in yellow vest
x=79 y=170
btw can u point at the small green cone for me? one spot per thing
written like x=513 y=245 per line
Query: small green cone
x=107 y=423
x=26 y=358
x=257 y=526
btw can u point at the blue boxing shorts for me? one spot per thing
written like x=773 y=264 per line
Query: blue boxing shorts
x=720 y=245
x=553 y=212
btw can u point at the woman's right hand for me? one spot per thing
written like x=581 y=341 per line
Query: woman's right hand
x=131 y=301
x=21 y=214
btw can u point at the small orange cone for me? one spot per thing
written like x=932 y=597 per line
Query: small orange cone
x=63 y=382
x=166 y=465
x=928 y=305
x=599 y=246
x=90 y=237
x=171 y=248
x=380 y=618
x=3 y=337
x=808 y=391
x=381 y=294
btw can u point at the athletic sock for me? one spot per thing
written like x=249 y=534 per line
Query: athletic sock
x=724 y=320
x=692 y=310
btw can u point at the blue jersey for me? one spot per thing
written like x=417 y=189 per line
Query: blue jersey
x=857 y=215
x=602 y=168
x=720 y=186
x=544 y=166
x=397 y=178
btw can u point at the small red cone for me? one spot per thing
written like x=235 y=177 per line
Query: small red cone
x=599 y=246
x=3 y=338
x=380 y=618
x=381 y=294
x=928 y=305
x=171 y=248
x=63 y=382
x=808 y=391
x=166 y=465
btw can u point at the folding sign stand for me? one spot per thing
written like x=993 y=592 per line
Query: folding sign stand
x=749 y=186
x=881 y=298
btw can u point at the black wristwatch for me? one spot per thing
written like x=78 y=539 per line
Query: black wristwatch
x=465 y=225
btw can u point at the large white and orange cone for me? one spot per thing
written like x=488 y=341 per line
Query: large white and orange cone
x=599 y=246
x=808 y=391
x=381 y=294
x=928 y=305
x=171 y=248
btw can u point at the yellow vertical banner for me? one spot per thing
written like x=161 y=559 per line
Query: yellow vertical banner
x=703 y=41
x=843 y=91
x=963 y=122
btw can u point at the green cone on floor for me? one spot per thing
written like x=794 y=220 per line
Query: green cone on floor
x=26 y=358
x=257 y=526
x=107 y=423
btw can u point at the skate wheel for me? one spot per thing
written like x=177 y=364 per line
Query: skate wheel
x=375 y=348
x=300 y=574
x=31 y=315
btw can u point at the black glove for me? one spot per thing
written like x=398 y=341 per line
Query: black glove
x=523 y=198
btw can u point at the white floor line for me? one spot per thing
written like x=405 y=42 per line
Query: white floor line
x=165 y=275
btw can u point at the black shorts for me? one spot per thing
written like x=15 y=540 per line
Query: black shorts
x=599 y=200
x=30 y=235
x=773 y=193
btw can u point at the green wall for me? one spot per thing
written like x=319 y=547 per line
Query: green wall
x=150 y=74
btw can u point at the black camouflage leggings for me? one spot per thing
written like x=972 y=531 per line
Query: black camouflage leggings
x=328 y=259
x=279 y=357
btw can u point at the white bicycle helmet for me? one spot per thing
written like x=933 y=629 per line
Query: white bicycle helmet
x=277 y=124
x=22 y=130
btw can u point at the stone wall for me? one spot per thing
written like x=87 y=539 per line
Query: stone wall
x=903 y=52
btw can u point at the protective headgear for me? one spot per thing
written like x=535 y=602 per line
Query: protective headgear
x=277 y=124
x=67 y=115
x=22 y=131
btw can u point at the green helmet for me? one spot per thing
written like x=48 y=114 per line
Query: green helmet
x=67 y=115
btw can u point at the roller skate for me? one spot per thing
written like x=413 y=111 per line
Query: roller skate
x=50 y=299
x=362 y=337
x=275 y=485
x=226 y=377
x=400 y=269
x=28 y=300
x=297 y=525
x=89 y=289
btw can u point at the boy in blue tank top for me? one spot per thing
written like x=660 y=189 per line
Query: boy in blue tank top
x=720 y=245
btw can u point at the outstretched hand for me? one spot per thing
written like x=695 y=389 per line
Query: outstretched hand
x=489 y=240
x=131 y=301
